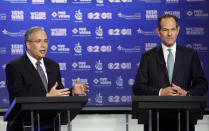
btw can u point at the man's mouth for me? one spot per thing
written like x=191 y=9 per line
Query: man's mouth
x=43 y=51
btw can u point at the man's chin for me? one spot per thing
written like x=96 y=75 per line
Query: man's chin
x=169 y=44
x=42 y=56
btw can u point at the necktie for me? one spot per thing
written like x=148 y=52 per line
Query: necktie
x=170 y=65
x=42 y=75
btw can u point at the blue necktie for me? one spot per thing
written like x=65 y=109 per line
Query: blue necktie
x=170 y=65
x=42 y=75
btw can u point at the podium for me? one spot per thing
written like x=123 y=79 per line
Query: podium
x=156 y=103
x=33 y=105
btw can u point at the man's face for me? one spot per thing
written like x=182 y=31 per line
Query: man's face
x=168 y=32
x=37 y=46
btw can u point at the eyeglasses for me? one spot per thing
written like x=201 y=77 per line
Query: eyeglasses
x=39 y=41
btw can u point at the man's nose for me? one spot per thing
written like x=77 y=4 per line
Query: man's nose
x=169 y=32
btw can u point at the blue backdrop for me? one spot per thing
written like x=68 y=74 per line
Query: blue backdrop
x=100 y=41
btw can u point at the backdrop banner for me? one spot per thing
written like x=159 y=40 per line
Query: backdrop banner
x=100 y=41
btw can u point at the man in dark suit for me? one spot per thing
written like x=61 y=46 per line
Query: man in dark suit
x=170 y=70
x=32 y=74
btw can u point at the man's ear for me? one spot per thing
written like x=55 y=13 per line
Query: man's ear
x=28 y=46
x=158 y=31
x=178 y=29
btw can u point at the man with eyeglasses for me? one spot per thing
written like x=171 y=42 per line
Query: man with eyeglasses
x=32 y=74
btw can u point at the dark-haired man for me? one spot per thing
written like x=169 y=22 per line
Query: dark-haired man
x=170 y=70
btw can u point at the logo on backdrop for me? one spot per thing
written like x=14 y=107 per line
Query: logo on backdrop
x=60 y=48
x=195 y=31
x=58 y=32
x=119 y=82
x=118 y=32
x=81 y=31
x=120 y=1
x=63 y=66
x=59 y=1
x=99 y=98
x=126 y=98
x=135 y=16
x=117 y=99
x=118 y=66
x=176 y=13
x=3 y=50
x=198 y=46
x=99 y=66
x=172 y=1
x=113 y=99
x=147 y=33
x=60 y=15
x=195 y=0
x=81 y=1
x=197 y=14
x=151 y=1
x=98 y=16
x=17 y=15
x=151 y=15
x=80 y=66
x=129 y=50
x=38 y=1
x=78 y=16
x=131 y=82
x=97 y=49
x=4 y=66
x=99 y=32
x=78 y=49
x=63 y=81
x=16 y=1
x=13 y=34
x=3 y=16
x=17 y=49
x=2 y=84
x=100 y=3
x=38 y=15
x=102 y=81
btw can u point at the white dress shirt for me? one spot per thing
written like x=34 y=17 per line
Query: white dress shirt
x=165 y=54
x=33 y=61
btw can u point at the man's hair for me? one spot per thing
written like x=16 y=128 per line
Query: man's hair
x=164 y=17
x=30 y=31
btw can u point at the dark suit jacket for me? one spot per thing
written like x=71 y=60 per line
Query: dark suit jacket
x=152 y=74
x=23 y=79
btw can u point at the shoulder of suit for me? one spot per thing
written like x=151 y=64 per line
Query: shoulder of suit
x=153 y=50
x=185 y=49
x=18 y=60
x=49 y=61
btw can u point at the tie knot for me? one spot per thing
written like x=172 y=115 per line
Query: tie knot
x=38 y=63
x=169 y=50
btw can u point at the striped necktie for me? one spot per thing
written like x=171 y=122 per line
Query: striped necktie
x=42 y=75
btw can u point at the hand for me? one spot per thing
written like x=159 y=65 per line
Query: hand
x=180 y=91
x=168 y=91
x=80 y=89
x=60 y=92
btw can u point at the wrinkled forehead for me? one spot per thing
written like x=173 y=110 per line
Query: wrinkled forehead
x=39 y=34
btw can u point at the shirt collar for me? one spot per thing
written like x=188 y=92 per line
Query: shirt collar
x=165 y=48
x=33 y=60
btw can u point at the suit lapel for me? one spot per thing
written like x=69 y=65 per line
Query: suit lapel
x=49 y=73
x=29 y=66
x=161 y=60
x=178 y=60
